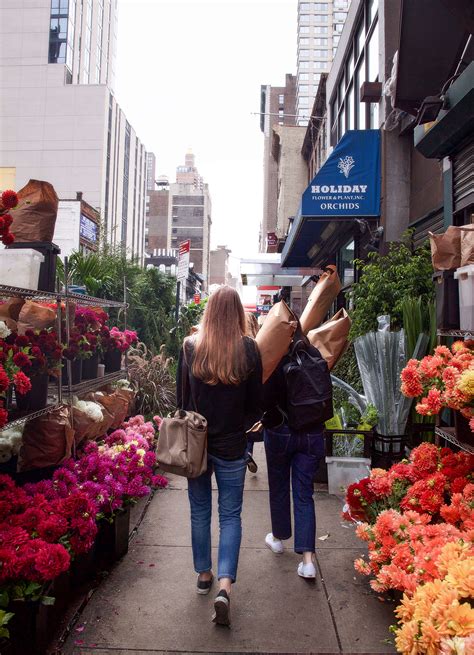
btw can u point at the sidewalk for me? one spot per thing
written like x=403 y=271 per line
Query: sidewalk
x=148 y=604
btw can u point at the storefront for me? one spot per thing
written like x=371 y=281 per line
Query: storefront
x=340 y=208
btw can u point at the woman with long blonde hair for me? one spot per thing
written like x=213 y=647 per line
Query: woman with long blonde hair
x=220 y=376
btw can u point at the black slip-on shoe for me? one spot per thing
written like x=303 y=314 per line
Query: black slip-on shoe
x=203 y=587
x=222 y=609
x=251 y=464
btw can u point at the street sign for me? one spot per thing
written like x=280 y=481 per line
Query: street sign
x=183 y=259
x=263 y=308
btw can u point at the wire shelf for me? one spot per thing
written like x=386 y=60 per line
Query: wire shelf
x=31 y=415
x=91 y=385
x=81 y=299
x=449 y=435
x=469 y=334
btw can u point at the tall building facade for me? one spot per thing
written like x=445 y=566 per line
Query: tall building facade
x=320 y=26
x=189 y=216
x=59 y=119
x=157 y=210
x=277 y=107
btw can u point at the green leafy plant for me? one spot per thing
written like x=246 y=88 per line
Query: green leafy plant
x=5 y=617
x=386 y=281
x=151 y=377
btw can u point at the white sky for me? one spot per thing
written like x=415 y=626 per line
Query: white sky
x=189 y=75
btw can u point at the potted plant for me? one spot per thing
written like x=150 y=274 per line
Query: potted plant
x=89 y=323
x=45 y=352
x=78 y=350
x=115 y=343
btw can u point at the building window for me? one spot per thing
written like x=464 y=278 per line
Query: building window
x=61 y=32
x=321 y=18
x=303 y=88
x=303 y=64
x=304 y=54
x=321 y=6
x=373 y=55
x=304 y=18
x=320 y=29
x=321 y=54
x=281 y=99
x=320 y=41
x=304 y=29
x=304 y=41
x=338 y=28
x=322 y=65
x=304 y=6
x=340 y=16
x=303 y=101
x=304 y=77
x=340 y=4
x=335 y=39
x=372 y=10
x=317 y=77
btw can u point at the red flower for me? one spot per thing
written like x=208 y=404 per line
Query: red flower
x=3 y=417
x=9 y=199
x=4 y=380
x=52 y=528
x=22 y=360
x=22 y=383
x=8 y=239
x=21 y=341
x=8 y=219
x=52 y=560
x=2 y=224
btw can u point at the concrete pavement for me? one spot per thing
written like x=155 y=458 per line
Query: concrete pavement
x=148 y=604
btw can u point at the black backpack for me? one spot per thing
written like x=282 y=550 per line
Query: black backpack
x=308 y=386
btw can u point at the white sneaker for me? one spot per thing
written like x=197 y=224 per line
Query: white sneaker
x=306 y=570
x=275 y=545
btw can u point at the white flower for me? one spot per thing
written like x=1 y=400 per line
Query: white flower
x=4 y=331
x=91 y=409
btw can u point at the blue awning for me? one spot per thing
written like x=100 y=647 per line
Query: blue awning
x=347 y=186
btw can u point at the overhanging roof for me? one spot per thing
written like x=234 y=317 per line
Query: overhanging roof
x=433 y=35
x=265 y=269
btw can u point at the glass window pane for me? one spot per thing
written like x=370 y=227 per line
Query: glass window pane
x=350 y=108
x=372 y=10
x=359 y=78
x=374 y=115
x=341 y=90
x=373 y=55
x=350 y=67
x=347 y=258
x=342 y=124
x=360 y=38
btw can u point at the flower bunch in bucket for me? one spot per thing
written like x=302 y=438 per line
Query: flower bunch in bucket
x=9 y=200
x=444 y=379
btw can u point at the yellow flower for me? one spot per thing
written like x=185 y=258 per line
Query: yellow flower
x=406 y=639
x=461 y=577
x=459 y=619
x=452 y=552
x=466 y=382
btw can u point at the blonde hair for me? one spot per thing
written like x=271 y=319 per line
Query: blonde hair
x=252 y=325
x=219 y=351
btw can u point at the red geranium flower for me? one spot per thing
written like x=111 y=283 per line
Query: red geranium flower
x=22 y=383
x=22 y=360
x=4 y=380
x=9 y=199
x=3 y=417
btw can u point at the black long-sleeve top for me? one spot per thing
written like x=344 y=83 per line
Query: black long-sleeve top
x=229 y=409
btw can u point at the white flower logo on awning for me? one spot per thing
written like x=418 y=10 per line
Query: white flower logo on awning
x=346 y=165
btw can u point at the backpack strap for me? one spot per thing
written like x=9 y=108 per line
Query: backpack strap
x=187 y=378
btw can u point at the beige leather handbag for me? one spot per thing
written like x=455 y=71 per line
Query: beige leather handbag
x=182 y=443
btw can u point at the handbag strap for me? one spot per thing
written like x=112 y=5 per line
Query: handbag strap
x=186 y=378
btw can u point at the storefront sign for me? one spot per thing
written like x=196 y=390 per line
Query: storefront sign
x=88 y=229
x=272 y=239
x=183 y=259
x=348 y=184
x=263 y=308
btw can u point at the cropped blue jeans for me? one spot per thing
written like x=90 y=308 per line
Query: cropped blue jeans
x=230 y=477
x=293 y=455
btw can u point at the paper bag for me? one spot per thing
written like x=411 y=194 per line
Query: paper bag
x=446 y=249
x=47 y=440
x=467 y=244
x=35 y=217
x=11 y=308
x=34 y=316
x=275 y=336
x=331 y=338
x=103 y=426
x=323 y=295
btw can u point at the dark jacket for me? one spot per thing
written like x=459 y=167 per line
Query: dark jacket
x=229 y=409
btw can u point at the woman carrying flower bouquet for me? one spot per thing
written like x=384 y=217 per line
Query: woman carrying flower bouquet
x=225 y=386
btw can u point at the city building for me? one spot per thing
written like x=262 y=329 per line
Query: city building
x=277 y=107
x=219 y=266
x=150 y=171
x=320 y=26
x=77 y=227
x=157 y=211
x=189 y=216
x=59 y=119
x=397 y=161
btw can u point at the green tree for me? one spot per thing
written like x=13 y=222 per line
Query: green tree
x=386 y=281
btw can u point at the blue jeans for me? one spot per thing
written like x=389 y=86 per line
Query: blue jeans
x=295 y=454
x=230 y=477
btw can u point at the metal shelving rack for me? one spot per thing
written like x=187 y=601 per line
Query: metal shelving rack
x=449 y=433
x=58 y=298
